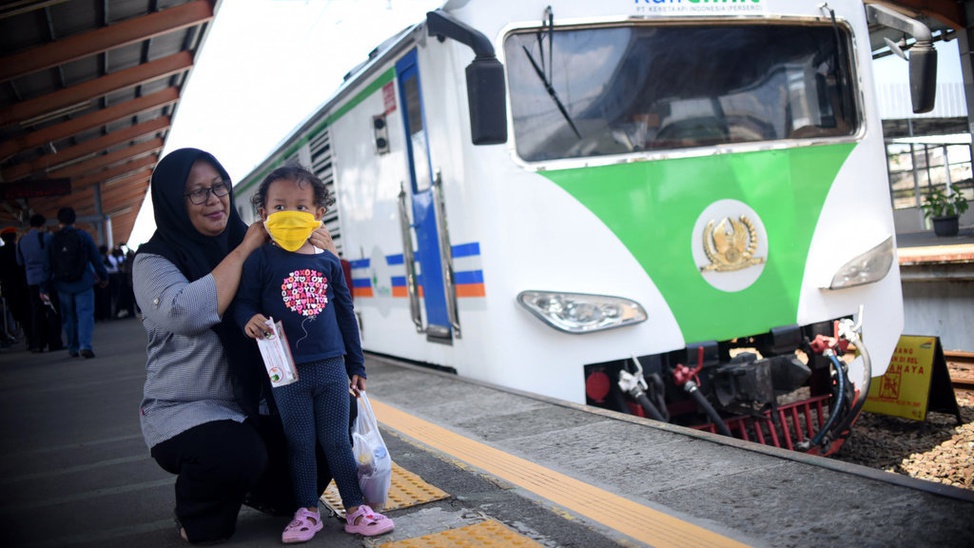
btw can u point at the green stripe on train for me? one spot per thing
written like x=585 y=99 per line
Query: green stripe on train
x=652 y=206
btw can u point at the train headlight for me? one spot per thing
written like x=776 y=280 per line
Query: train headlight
x=869 y=267
x=581 y=313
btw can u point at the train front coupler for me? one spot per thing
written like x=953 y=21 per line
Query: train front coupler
x=635 y=385
x=847 y=397
x=687 y=379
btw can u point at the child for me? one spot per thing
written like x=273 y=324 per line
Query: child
x=304 y=288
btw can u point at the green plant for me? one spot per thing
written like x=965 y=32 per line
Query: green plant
x=939 y=204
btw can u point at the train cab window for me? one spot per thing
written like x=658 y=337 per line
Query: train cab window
x=676 y=86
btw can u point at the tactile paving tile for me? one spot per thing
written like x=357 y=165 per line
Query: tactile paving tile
x=407 y=489
x=485 y=533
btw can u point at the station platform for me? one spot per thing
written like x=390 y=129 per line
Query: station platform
x=487 y=467
x=937 y=278
x=927 y=247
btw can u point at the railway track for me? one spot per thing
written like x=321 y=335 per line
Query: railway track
x=961 y=367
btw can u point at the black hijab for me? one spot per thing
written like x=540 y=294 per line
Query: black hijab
x=175 y=237
x=197 y=255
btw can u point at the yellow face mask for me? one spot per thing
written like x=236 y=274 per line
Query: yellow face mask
x=291 y=229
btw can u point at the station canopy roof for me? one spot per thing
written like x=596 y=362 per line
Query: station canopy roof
x=943 y=17
x=89 y=88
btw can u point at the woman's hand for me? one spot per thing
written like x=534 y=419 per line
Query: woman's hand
x=357 y=385
x=255 y=237
x=227 y=273
x=321 y=239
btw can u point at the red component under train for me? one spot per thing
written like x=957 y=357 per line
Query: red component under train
x=797 y=421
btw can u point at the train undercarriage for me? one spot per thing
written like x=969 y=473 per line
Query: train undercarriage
x=789 y=388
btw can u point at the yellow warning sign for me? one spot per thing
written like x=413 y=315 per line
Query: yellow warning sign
x=904 y=391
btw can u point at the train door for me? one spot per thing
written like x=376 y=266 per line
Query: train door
x=428 y=253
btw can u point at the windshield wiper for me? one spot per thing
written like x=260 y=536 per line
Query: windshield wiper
x=546 y=80
x=838 y=70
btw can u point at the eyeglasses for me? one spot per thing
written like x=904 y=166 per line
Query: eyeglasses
x=201 y=195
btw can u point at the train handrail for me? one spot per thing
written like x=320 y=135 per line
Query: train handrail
x=446 y=255
x=409 y=261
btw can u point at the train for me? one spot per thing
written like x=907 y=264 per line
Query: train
x=677 y=209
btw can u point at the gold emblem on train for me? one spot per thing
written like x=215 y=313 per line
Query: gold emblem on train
x=730 y=244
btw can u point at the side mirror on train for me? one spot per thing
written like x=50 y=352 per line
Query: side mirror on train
x=923 y=77
x=486 y=92
x=486 y=97
x=923 y=58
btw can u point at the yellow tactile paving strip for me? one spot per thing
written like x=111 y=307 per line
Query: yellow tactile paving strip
x=407 y=489
x=629 y=518
x=486 y=533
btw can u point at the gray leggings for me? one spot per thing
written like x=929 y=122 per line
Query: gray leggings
x=316 y=406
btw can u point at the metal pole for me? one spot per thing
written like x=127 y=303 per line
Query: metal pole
x=947 y=169
x=100 y=225
x=964 y=41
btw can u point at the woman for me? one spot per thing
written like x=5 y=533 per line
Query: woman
x=204 y=413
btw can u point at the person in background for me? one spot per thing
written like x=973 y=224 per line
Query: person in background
x=206 y=412
x=322 y=332
x=103 y=293
x=32 y=254
x=13 y=285
x=76 y=294
x=116 y=280
x=126 y=298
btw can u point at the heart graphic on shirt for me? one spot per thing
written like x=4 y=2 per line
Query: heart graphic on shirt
x=303 y=291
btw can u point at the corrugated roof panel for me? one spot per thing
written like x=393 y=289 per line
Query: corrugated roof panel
x=894 y=101
x=69 y=18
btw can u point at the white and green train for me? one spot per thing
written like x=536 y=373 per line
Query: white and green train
x=652 y=206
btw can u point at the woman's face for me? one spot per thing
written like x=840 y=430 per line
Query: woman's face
x=210 y=217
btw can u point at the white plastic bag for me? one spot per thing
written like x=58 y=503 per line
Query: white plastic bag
x=374 y=462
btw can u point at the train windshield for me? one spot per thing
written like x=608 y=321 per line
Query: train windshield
x=600 y=91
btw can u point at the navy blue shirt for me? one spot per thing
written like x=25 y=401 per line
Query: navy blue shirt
x=308 y=295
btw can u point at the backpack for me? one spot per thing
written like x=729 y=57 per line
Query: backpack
x=68 y=257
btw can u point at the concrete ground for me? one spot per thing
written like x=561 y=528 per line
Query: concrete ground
x=74 y=470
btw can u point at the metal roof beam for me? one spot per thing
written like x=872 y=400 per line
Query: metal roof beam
x=124 y=182
x=99 y=87
x=83 y=201
x=114 y=172
x=93 y=165
x=49 y=162
x=122 y=196
x=84 y=184
x=17 y=7
x=950 y=12
x=82 y=189
x=89 y=121
x=94 y=42
x=113 y=203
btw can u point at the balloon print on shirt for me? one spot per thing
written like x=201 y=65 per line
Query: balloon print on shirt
x=303 y=292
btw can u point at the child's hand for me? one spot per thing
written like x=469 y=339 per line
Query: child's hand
x=256 y=328
x=357 y=385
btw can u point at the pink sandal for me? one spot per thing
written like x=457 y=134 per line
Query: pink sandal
x=367 y=522
x=303 y=527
